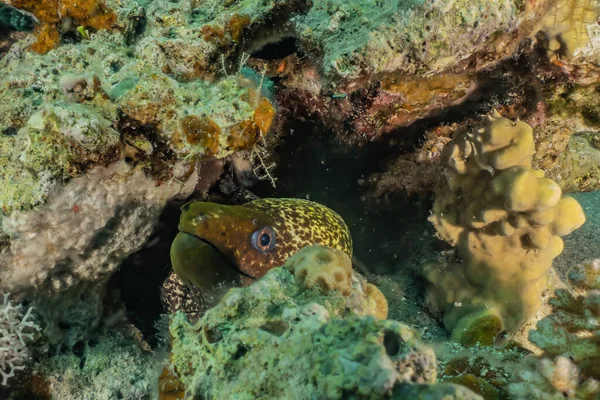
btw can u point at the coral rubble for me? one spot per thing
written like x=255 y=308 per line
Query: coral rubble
x=113 y=367
x=505 y=220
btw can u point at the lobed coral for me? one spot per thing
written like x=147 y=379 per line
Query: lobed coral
x=329 y=269
x=570 y=340
x=505 y=220
x=322 y=267
x=16 y=331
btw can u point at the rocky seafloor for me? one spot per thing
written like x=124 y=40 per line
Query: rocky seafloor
x=459 y=140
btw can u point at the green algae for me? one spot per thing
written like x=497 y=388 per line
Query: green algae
x=115 y=367
x=273 y=339
x=352 y=37
x=57 y=143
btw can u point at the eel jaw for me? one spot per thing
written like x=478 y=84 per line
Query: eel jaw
x=199 y=264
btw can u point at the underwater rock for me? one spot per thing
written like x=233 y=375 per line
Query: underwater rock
x=58 y=142
x=29 y=81
x=198 y=118
x=579 y=165
x=570 y=363
x=569 y=31
x=70 y=226
x=506 y=220
x=275 y=339
x=82 y=234
x=191 y=39
x=353 y=37
x=14 y=19
x=571 y=120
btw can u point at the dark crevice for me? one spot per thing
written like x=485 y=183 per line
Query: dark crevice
x=277 y=50
x=141 y=275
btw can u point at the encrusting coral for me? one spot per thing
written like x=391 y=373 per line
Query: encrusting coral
x=330 y=269
x=570 y=339
x=505 y=220
x=318 y=266
x=275 y=339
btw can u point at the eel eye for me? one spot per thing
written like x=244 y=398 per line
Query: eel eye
x=263 y=239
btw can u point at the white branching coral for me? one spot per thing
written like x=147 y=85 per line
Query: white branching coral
x=16 y=329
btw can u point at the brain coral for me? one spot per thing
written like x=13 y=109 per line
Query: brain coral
x=505 y=220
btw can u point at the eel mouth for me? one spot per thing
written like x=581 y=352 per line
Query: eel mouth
x=200 y=264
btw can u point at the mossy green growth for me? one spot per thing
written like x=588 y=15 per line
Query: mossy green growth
x=58 y=142
x=116 y=367
x=353 y=37
x=212 y=10
x=227 y=102
x=274 y=339
x=579 y=165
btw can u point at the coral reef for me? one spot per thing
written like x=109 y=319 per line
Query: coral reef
x=569 y=365
x=189 y=41
x=16 y=331
x=199 y=118
x=90 y=14
x=96 y=137
x=115 y=366
x=84 y=232
x=111 y=109
x=505 y=220
x=352 y=36
x=57 y=142
x=310 y=331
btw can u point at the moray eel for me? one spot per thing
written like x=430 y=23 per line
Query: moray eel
x=237 y=244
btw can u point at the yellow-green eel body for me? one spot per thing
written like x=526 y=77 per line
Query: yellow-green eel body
x=228 y=245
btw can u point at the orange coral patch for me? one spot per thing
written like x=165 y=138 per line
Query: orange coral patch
x=47 y=39
x=91 y=14
x=202 y=131
x=213 y=34
x=169 y=386
x=236 y=25
x=45 y=11
x=242 y=136
x=263 y=115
